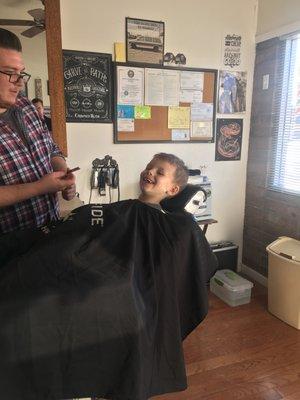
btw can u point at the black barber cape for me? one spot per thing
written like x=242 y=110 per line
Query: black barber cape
x=99 y=304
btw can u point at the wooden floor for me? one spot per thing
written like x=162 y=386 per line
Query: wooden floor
x=242 y=353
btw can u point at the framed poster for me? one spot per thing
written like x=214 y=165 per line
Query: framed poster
x=232 y=92
x=145 y=41
x=229 y=139
x=232 y=50
x=88 y=86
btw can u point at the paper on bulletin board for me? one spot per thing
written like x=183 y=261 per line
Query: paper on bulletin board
x=161 y=87
x=190 y=96
x=180 y=134
x=202 y=130
x=179 y=117
x=130 y=85
x=125 y=111
x=191 y=80
x=202 y=112
x=125 y=125
x=142 y=112
x=171 y=87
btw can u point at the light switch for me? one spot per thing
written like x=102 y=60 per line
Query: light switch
x=265 y=85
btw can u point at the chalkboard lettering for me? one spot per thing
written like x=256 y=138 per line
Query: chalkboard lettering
x=88 y=86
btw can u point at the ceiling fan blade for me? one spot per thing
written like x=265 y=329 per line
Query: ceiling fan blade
x=37 y=13
x=31 y=32
x=16 y=22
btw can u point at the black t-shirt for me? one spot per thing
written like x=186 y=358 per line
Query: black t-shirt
x=48 y=123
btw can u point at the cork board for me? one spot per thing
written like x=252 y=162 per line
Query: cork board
x=155 y=128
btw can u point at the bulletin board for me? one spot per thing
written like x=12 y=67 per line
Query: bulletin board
x=164 y=104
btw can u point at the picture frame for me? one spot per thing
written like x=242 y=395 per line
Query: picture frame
x=232 y=92
x=145 y=41
x=229 y=134
x=88 y=86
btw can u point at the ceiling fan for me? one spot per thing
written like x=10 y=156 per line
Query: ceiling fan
x=37 y=24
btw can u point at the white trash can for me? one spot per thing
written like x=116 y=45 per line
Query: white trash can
x=284 y=280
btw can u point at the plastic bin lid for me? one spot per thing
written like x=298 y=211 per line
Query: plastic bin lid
x=286 y=247
x=231 y=280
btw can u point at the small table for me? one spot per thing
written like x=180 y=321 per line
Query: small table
x=206 y=222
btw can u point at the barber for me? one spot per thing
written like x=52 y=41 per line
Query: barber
x=32 y=168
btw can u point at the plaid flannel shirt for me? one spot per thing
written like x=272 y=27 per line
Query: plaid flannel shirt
x=21 y=164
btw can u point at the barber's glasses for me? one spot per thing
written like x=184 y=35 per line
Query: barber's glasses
x=14 y=78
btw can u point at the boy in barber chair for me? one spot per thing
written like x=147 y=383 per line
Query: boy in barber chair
x=111 y=293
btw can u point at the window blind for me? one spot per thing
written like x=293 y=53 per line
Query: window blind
x=284 y=169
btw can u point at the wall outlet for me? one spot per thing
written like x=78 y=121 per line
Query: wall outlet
x=265 y=84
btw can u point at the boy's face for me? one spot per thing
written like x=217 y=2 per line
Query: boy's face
x=157 y=180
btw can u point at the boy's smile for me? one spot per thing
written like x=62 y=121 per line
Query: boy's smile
x=157 y=180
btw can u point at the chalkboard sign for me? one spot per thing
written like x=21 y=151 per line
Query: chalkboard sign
x=88 y=86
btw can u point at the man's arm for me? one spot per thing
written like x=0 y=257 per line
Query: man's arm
x=50 y=183
x=58 y=163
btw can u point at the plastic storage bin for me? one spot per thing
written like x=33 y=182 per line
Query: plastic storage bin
x=231 y=288
x=284 y=280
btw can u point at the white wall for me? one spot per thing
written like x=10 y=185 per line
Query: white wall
x=34 y=49
x=277 y=17
x=195 y=28
x=35 y=60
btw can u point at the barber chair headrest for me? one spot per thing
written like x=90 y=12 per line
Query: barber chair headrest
x=178 y=202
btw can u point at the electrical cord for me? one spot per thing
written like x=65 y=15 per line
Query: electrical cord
x=109 y=191
x=90 y=195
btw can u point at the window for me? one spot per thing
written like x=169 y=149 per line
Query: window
x=284 y=174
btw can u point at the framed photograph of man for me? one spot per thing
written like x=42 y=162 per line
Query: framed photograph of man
x=145 y=41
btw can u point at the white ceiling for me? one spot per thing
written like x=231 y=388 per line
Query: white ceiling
x=17 y=9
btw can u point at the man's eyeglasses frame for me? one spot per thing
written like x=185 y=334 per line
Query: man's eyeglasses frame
x=23 y=75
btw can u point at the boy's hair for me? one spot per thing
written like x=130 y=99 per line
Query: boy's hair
x=9 y=40
x=37 y=100
x=181 y=172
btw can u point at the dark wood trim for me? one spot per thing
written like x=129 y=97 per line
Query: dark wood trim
x=55 y=68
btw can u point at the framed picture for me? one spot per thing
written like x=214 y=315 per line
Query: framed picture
x=232 y=92
x=88 y=86
x=145 y=41
x=38 y=88
x=229 y=139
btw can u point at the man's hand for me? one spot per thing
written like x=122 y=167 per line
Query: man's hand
x=56 y=181
x=50 y=183
x=69 y=193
